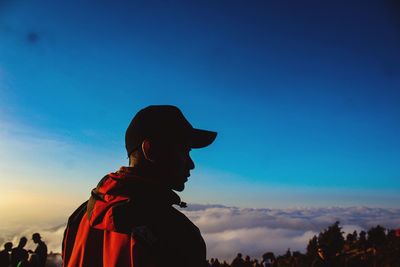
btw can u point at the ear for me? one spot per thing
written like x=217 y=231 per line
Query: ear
x=148 y=150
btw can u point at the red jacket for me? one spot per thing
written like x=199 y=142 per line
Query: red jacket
x=129 y=221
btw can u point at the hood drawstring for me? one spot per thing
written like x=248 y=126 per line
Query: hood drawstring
x=182 y=204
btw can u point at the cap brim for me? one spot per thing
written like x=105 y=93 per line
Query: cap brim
x=202 y=138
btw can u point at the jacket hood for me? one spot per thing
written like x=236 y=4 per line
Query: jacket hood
x=124 y=199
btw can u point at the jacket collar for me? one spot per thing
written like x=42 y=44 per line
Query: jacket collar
x=138 y=187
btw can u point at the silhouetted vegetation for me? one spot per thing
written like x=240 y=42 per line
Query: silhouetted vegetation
x=378 y=247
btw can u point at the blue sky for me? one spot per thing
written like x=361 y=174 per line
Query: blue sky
x=305 y=97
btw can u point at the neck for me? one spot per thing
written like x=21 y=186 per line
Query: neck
x=149 y=173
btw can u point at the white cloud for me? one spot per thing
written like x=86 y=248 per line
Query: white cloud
x=254 y=241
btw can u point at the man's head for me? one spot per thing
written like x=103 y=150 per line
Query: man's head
x=36 y=238
x=22 y=242
x=8 y=246
x=159 y=139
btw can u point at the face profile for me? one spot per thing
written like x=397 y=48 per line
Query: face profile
x=36 y=238
x=174 y=162
x=22 y=242
x=180 y=166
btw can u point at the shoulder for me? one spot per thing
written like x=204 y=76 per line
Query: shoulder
x=179 y=219
x=78 y=213
x=42 y=245
x=171 y=224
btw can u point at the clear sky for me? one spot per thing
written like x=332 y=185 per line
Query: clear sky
x=305 y=98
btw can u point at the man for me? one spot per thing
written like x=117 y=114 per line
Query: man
x=19 y=254
x=129 y=219
x=238 y=261
x=40 y=251
x=5 y=259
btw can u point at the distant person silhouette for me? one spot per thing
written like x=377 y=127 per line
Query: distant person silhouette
x=256 y=263
x=216 y=263
x=247 y=262
x=268 y=259
x=40 y=253
x=18 y=253
x=238 y=261
x=129 y=219
x=5 y=256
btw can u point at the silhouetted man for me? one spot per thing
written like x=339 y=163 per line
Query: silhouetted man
x=40 y=251
x=238 y=261
x=19 y=254
x=129 y=219
x=5 y=257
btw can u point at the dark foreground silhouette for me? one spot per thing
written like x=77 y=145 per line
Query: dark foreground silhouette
x=377 y=247
x=20 y=257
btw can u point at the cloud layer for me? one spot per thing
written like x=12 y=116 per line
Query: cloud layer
x=229 y=230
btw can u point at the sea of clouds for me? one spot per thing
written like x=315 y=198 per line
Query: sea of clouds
x=229 y=230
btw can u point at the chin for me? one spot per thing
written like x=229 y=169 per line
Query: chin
x=178 y=188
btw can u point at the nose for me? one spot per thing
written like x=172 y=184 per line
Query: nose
x=190 y=163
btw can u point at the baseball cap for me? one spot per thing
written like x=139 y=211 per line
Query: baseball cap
x=164 y=123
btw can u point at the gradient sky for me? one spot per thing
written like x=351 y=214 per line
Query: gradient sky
x=305 y=97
